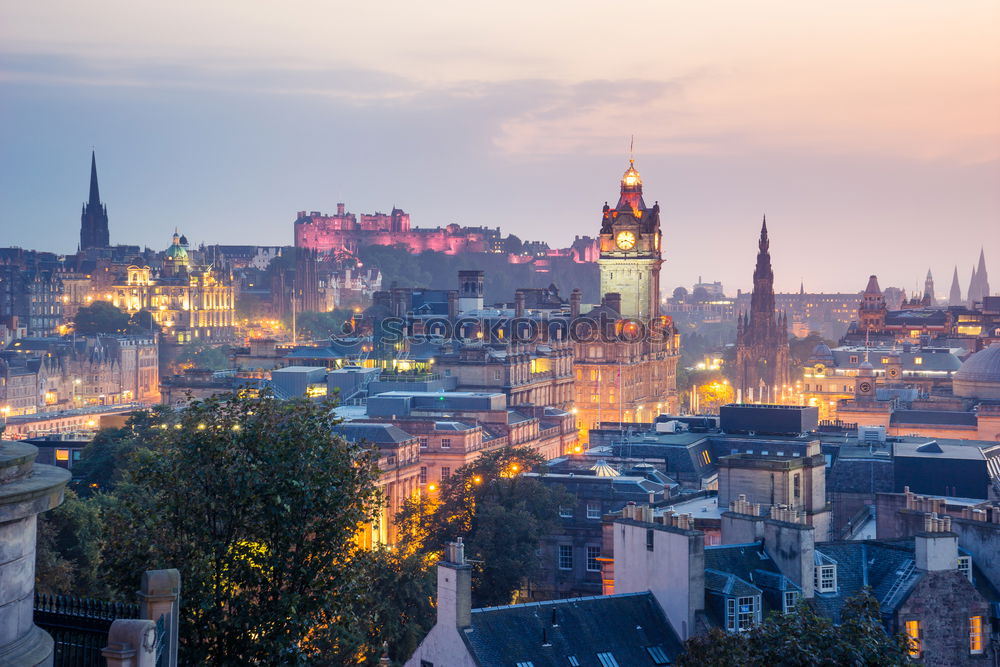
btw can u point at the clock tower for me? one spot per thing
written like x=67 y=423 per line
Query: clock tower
x=630 y=250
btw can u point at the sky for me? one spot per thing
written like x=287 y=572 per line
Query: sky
x=868 y=132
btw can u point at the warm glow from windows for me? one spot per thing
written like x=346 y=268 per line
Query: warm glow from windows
x=975 y=634
x=62 y=455
x=913 y=638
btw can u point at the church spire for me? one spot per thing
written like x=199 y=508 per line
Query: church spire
x=95 y=193
x=764 y=244
x=955 y=294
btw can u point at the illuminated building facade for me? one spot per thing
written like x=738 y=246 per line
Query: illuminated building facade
x=190 y=303
x=625 y=359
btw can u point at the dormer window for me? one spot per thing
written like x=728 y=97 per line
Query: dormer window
x=789 y=600
x=825 y=578
x=742 y=613
x=965 y=566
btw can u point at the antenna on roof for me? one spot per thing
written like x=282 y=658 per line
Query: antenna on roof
x=631 y=149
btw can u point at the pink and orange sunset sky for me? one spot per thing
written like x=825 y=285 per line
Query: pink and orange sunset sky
x=869 y=132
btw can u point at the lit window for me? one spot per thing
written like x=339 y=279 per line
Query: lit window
x=566 y=512
x=913 y=638
x=825 y=578
x=593 y=511
x=965 y=566
x=593 y=553
x=62 y=455
x=790 y=600
x=975 y=634
x=607 y=660
x=565 y=557
x=918 y=361
x=706 y=457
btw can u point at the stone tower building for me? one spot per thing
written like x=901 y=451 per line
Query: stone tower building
x=94 y=219
x=762 y=336
x=872 y=311
x=630 y=250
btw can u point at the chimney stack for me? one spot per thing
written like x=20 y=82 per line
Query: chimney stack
x=454 y=588
x=613 y=300
x=519 y=303
x=936 y=548
x=575 y=297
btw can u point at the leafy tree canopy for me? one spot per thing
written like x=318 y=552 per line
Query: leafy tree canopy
x=804 y=638
x=102 y=317
x=500 y=514
x=257 y=503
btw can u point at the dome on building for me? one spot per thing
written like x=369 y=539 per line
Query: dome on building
x=602 y=469
x=176 y=251
x=866 y=369
x=821 y=354
x=979 y=376
x=631 y=176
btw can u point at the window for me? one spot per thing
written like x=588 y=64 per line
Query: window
x=790 y=600
x=658 y=655
x=445 y=473
x=918 y=361
x=565 y=557
x=731 y=614
x=426 y=663
x=573 y=662
x=593 y=553
x=566 y=512
x=423 y=443
x=825 y=578
x=747 y=613
x=965 y=566
x=496 y=375
x=445 y=443
x=423 y=474
x=607 y=660
x=854 y=358
x=797 y=486
x=706 y=457
x=62 y=455
x=913 y=638
x=975 y=634
x=763 y=452
x=526 y=664
x=649 y=539
x=593 y=510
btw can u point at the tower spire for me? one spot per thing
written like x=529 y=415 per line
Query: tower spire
x=95 y=193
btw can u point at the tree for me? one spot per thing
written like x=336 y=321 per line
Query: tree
x=680 y=294
x=257 y=503
x=101 y=317
x=700 y=295
x=323 y=325
x=500 y=514
x=103 y=460
x=68 y=549
x=804 y=638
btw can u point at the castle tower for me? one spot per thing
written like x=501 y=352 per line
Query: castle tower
x=94 y=219
x=871 y=312
x=762 y=354
x=955 y=294
x=631 y=257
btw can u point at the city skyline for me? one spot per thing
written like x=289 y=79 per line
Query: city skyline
x=226 y=130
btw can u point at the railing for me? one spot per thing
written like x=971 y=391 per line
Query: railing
x=79 y=626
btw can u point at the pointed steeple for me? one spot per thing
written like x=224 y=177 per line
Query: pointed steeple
x=982 y=276
x=95 y=193
x=94 y=218
x=955 y=294
x=928 y=299
x=973 y=284
x=764 y=244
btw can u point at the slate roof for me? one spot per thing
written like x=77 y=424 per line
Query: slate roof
x=374 y=433
x=547 y=634
x=875 y=563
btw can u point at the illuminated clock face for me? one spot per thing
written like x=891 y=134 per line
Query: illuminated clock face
x=893 y=372
x=865 y=387
x=625 y=240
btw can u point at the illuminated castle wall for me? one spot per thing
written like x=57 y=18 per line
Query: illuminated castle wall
x=346 y=231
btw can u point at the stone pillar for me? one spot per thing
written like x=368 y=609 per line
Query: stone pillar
x=131 y=643
x=26 y=490
x=160 y=596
